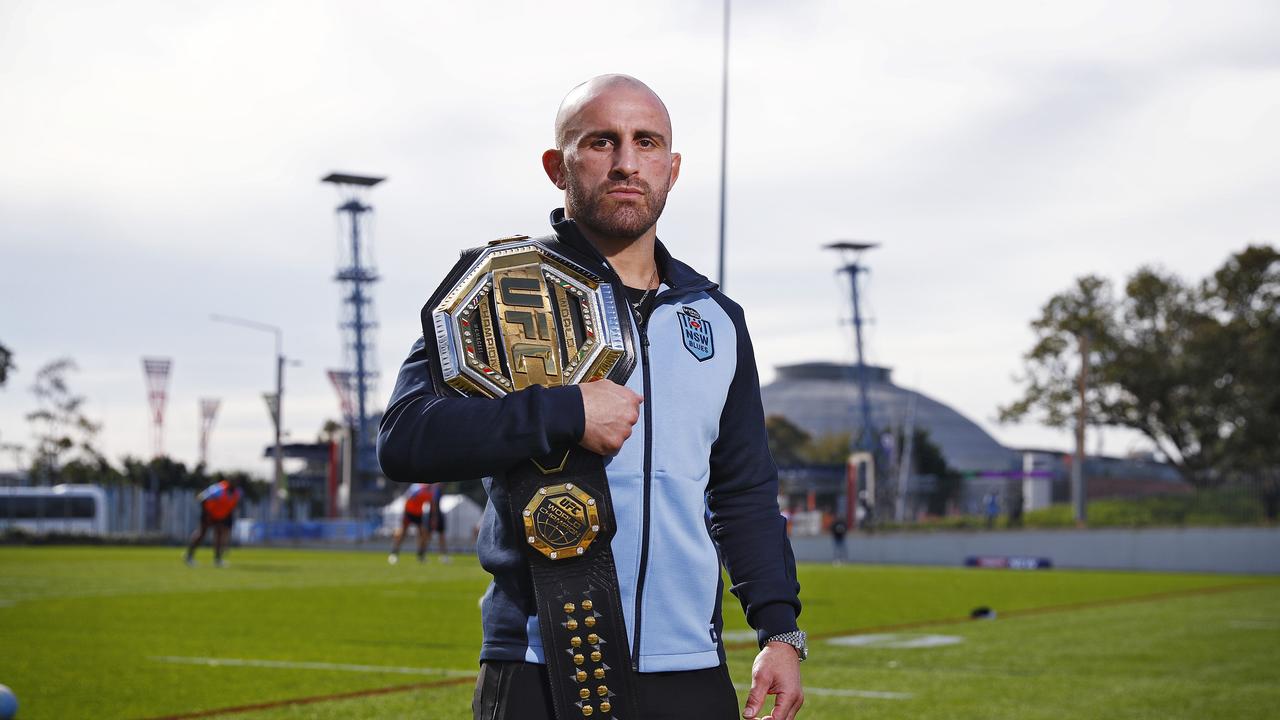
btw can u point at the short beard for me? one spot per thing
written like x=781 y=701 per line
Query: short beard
x=626 y=221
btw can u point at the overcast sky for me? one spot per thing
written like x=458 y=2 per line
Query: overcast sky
x=159 y=162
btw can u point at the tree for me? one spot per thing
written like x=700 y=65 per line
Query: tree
x=1193 y=367
x=170 y=474
x=330 y=431
x=90 y=471
x=6 y=364
x=1244 y=297
x=1163 y=378
x=791 y=445
x=1052 y=364
x=830 y=449
x=787 y=441
x=165 y=472
x=62 y=431
x=927 y=460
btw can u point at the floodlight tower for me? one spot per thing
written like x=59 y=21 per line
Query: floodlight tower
x=851 y=259
x=356 y=272
x=208 y=411
x=863 y=445
x=157 y=372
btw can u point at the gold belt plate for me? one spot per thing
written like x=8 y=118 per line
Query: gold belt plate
x=524 y=314
x=561 y=521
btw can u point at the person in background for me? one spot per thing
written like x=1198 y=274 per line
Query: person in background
x=1014 y=506
x=217 y=510
x=415 y=498
x=866 y=513
x=991 y=504
x=839 y=528
x=435 y=521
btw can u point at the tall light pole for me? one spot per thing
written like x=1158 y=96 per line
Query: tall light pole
x=851 y=257
x=724 y=138
x=208 y=411
x=277 y=416
x=1079 y=492
x=358 y=276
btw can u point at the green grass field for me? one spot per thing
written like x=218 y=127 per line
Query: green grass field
x=133 y=633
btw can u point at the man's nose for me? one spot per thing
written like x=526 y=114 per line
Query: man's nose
x=625 y=162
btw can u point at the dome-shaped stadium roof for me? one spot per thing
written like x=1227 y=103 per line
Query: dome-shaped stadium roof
x=822 y=399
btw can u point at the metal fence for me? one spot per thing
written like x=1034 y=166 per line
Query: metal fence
x=129 y=512
x=172 y=514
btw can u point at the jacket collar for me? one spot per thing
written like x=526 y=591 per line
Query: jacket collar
x=679 y=277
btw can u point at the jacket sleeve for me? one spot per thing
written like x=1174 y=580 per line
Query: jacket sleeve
x=427 y=438
x=743 y=502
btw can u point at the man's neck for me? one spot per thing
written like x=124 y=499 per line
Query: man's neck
x=631 y=258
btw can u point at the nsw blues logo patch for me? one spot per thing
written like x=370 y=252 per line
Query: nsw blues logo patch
x=696 y=334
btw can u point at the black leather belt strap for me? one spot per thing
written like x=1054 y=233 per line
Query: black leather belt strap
x=584 y=635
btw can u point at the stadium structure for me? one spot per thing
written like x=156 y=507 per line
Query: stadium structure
x=822 y=398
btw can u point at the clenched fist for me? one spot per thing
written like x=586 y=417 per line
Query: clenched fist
x=611 y=410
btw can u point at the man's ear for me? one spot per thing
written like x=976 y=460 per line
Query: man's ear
x=553 y=164
x=675 y=169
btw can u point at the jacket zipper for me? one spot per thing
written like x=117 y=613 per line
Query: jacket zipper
x=647 y=406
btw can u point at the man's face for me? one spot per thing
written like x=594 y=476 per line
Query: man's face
x=617 y=162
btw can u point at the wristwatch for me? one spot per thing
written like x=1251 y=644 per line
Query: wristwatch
x=796 y=639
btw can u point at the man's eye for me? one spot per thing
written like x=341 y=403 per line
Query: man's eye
x=600 y=143
x=647 y=143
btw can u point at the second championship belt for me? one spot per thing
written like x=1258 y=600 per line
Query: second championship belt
x=528 y=311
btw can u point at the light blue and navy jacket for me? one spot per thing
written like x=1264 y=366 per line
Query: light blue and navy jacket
x=693 y=487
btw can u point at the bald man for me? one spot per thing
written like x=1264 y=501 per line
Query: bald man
x=686 y=455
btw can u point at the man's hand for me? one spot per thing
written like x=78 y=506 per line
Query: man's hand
x=776 y=671
x=611 y=410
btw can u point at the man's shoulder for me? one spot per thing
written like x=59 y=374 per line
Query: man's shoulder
x=418 y=351
x=730 y=307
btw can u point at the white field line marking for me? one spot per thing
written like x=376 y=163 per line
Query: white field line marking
x=345 y=667
x=296 y=665
x=906 y=641
x=1255 y=624
x=839 y=692
x=182 y=588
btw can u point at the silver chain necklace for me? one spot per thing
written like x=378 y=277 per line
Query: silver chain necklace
x=638 y=303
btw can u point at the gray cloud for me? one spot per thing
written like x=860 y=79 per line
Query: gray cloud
x=162 y=163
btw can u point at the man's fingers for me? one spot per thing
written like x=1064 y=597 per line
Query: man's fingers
x=755 y=698
x=781 y=709
x=786 y=705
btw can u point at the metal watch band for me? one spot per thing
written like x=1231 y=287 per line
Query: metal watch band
x=796 y=639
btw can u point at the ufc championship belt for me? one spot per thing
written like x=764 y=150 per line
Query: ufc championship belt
x=527 y=311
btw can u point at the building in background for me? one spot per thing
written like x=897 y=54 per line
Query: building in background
x=822 y=398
